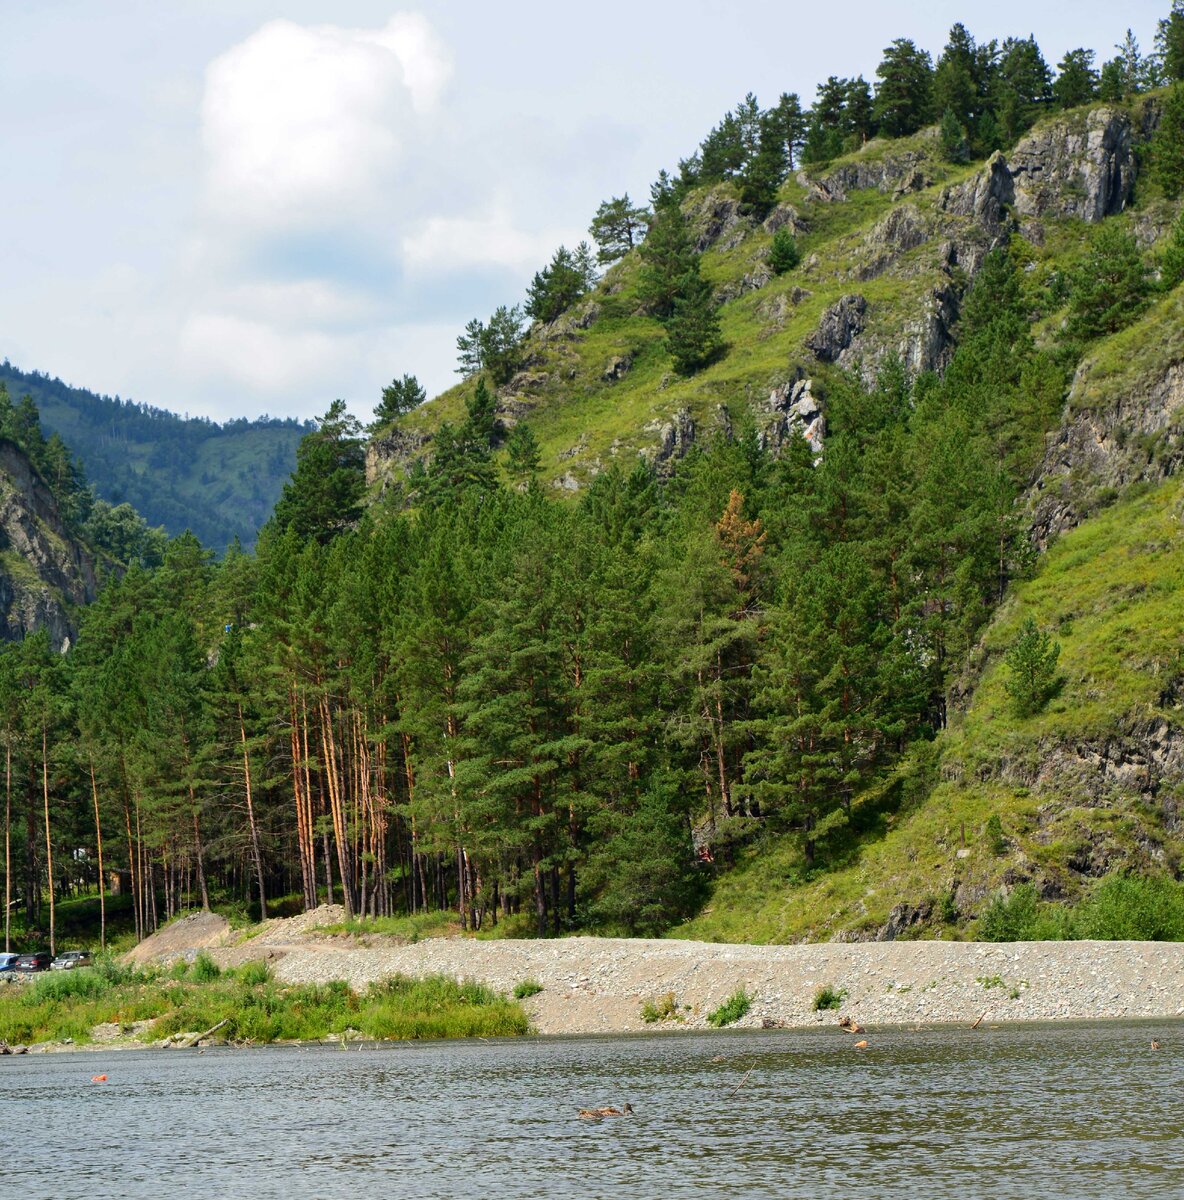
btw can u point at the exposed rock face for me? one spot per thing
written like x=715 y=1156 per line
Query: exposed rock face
x=618 y=367
x=902 y=230
x=838 y=328
x=929 y=342
x=675 y=438
x=716 y=218
x=899 y=172
x=395 y=449
x=1103 y=450
x=781 y=216
x=986 y=197
x=795 y=412
x=1075 y=167
x=54 y=572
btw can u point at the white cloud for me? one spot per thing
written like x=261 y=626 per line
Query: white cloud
x=304 y=125
x=467 y=243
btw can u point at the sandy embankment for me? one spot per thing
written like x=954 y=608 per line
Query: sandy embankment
x=598 y=985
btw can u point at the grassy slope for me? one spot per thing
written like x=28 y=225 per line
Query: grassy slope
x=1113 y=590
x=576 y=409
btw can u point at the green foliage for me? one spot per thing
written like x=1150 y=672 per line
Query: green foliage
x=784 y=254
x=1167 y=146
x=494 y=347
x=693 y=334
x=1110 y=287
x=1032 y=669
x=829 y=998
x=664 y=1008
x=904 y=95
x=1169 y=42
x=667 y=259
x=527 y=988
x=1077 y=81
x=1171 y=263
x=617 y=227
x=204 y=969
x=955 y=141
x=1120 y=908
x=993 y=835
x=522 y=453
x=399 y=397
x=562 y=282
x=732 y=1009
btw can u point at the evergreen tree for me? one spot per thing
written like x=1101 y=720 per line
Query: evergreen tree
x=667 y=257
x=693 y=335
x=400 y=396
x=555 y=288
x=1167 y=146
x=1172 y=262
x=1169 y=43
x=955 y=140
x=955 y=80
x=904 y=95
x=790 y=122
x=522 y=453
x=1022 y=86
x=784 y=254
x=1110 y=287
x=765 y=171
x=495 y=347
x=617 y=227
x=1077 y=81
x=324 y=496
x=1032 y=666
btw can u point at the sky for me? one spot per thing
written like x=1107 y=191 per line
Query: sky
x=238 y=207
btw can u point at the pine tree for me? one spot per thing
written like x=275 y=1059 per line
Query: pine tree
x=1169 y=43
x=765 y=171
x=1172 y=262
x=1110 y=287
x=904 y=95
x=955 y=84
x=693 y=335
x=1032 y=666
x=617 y=227
x=522 y=453
x=1077 y=81
x=784 y=254
x=400 y=396
x=1167 y=146
x=667 y=258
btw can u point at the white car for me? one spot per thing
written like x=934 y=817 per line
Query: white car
x=71 y=959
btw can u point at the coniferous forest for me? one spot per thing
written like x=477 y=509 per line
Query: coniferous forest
x=467 y=694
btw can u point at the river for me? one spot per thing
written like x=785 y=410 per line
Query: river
x=1085 y=1110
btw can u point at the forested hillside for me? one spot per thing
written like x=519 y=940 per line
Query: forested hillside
x=218 y=480
x=855 y=611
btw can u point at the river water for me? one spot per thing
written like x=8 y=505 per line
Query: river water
x=1022 y=1111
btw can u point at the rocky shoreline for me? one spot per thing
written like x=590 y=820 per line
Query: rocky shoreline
x=589 y=985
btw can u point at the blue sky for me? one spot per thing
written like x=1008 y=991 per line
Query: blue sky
x=237 y=206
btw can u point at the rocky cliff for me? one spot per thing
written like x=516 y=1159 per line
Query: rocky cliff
x=891 y=237
x=44 y=571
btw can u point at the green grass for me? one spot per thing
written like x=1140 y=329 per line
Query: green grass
x=255 y=1007
x=829 y=998
x=664 y=1008
x=409 y=928
x=1112 y=593
x=528 y=987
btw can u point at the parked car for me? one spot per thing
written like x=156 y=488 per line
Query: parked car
x=33 y=962
x=7 y=961
x=70 y=959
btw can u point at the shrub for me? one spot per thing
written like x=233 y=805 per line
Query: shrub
x=528 y=987
x=828 y=997
x=204 y=969
x=993 y=832
x=664 y=1008
x=251 y=974
x=732 y=1009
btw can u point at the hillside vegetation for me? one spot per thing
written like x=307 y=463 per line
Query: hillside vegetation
x=220 y=481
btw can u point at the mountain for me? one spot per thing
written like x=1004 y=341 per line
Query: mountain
x=218 y=480
x=892 y=239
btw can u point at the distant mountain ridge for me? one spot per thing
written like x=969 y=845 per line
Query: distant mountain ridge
x=220 y=481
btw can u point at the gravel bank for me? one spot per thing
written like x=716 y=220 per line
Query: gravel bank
x=598 y=985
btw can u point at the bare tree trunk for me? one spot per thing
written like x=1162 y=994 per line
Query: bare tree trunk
x=201 y=870
x=251 y=817
x=94 y=791
x=48 y=840
x=340 y=833
x=131 y=867
x=7 y=847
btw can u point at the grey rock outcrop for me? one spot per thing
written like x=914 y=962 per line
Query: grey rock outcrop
x=675 y=438
x=1080 y=166
x=393 y=450
x=898 y=172
x=838 y=328
x=617 y=368
x=54 y=573
x=1098 y=451
x=794 y=412
x=716 y=219
x=986 y=197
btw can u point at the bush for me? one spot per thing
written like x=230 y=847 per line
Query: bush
x=828 y=998
x=993 y=833
x=663 y=1009
x=251 y=974
x=732 y=1009
x=204 y=969
x=1128 y=908
x=1011 y=918
x=528 y=987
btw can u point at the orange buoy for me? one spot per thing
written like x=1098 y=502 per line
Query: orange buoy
x=98 y=1079
x=861 y=1045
